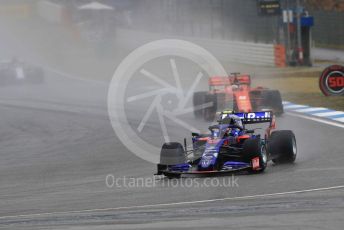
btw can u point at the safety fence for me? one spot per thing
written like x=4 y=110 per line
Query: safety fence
x=235 y=51
x=232 y=51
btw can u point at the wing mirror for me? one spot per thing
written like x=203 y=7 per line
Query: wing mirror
x=235 y=87
x=250 y=131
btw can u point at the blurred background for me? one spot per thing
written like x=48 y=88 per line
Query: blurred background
x=284 y=43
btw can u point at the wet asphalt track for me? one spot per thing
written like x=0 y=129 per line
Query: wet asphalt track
x=57 y=146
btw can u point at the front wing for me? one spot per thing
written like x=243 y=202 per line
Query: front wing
x=209 y=173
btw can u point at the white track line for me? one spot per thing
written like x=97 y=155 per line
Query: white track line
x=328 y=122
x=179 y=203
x=341 y=119
x=310 y=110
x=295 y=106
x=319 y=169
x=328 y=114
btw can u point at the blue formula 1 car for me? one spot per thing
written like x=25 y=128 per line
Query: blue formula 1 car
x=230 y=147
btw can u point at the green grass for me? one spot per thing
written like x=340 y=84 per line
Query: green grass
x=316 y=99
x=303 y=88
x=328 y=46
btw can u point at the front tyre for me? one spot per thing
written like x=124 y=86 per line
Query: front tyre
x=252 y=150
x=36 y=76
x=172 y=153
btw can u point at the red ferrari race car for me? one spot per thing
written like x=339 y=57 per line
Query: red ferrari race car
x=235 y=92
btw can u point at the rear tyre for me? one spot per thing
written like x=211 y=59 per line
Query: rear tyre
x=210 y=111
x=221 y=103
x=198 y=100
x=282 y=147
x=273 y=99
x=252 y=148
x=36 y=76
x=255 y=100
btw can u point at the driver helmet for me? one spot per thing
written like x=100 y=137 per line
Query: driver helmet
x=234 y=121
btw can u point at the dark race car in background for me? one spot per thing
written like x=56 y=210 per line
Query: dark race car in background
x=230 y=147
x=235 y=92
x=14 y=72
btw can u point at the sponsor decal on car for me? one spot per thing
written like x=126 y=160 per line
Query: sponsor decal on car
x=255 y=163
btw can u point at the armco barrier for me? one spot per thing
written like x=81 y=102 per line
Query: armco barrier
x=232 y=51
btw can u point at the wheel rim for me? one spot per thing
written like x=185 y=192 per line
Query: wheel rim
x=264 y=156
x=294 y=148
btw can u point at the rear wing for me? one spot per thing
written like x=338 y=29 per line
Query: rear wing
x=251 y=118
x=230 y=80
x=256 y=117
